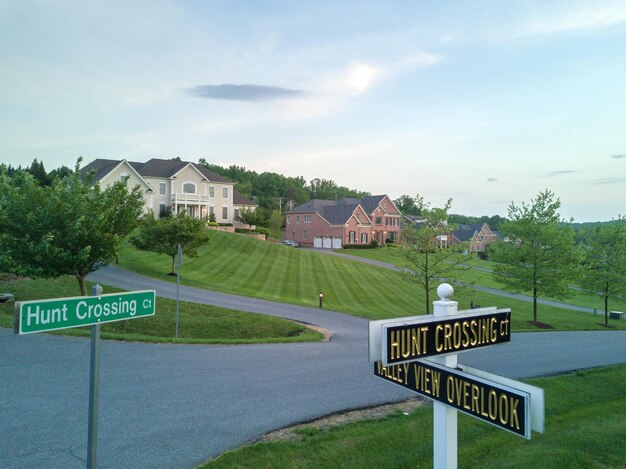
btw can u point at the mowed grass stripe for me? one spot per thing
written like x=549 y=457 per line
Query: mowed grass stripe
x=239 y=265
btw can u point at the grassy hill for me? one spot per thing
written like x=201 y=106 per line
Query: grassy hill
x=240 y=265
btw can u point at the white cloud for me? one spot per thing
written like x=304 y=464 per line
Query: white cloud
x=582 y=16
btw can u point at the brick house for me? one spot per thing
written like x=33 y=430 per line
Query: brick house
x=333 y=223
x=175 y=185
x=478 y=236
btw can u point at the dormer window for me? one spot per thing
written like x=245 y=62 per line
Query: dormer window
x=124 y=177
x=189 y=188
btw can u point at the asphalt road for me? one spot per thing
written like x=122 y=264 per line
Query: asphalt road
x=174 y=406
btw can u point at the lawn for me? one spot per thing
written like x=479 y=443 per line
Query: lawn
x=585 y=428
x=249 y=267
x=486 y=279
x=197 y=323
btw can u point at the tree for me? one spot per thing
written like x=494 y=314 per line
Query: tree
x=603 y=270
x=163 y=235
x=276 y=220
x=536 y=253
x=69 y=228
x=427 y=254
x=251 y=216
x=410 y=205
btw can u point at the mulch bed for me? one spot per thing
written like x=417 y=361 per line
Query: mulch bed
x=540 y=325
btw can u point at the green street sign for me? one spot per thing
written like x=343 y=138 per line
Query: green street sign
x=64 y=313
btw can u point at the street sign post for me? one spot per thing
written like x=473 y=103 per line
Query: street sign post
x=398 y=347
x=64 y=313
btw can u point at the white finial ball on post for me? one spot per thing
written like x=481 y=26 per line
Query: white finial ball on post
x=445 y=291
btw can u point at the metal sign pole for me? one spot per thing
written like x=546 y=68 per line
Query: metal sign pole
x=180 y=262
x=94 y=387
x=444 y=417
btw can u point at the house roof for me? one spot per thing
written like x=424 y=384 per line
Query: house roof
x=154 y=167
x=101 y=166
x=466 y=231
x=239 y=199
x=334 y=212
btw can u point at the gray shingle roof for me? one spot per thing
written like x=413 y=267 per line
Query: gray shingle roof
x=239 y=199
x=154 y=167
x=465 y=232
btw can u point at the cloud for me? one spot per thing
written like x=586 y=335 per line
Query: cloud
x=618 y=156
x=558 y=173
x=491 y=180
x=258 y=93
x=592 y=16
x=609 y=181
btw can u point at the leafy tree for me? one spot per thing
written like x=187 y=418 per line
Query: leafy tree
x=163 y=235
x=251 y=216
x=603 y=271
x=410 y=205
x=276 y=220
x=537 y=251
x=69 y=228
x=427 y=254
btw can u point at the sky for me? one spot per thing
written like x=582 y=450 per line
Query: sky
x=484 y=102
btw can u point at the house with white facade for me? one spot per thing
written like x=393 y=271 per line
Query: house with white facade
x=174 y=185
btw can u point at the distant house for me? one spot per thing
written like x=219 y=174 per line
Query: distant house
x=174 y=185
x=479 y=236
x=333 y=223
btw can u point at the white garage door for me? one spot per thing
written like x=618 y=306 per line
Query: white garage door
x=336 y=243
x=328 y=243
x=317 y=242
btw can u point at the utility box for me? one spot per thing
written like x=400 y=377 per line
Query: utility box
x=616 y=315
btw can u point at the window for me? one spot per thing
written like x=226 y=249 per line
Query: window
x=211 y=210
x=225 y=213
x=162 y=188
x=237 y=214
x=211 y=191
x=304 y=235
x=124 y=177
x=297 y=218
x=363 y=238
x=189 y=188
x=379 y=220
x=225 y=192
x=288 y=219
x=352 y=237
x=307 y=219
x=162 y=210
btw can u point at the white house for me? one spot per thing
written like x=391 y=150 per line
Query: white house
x=176 y=185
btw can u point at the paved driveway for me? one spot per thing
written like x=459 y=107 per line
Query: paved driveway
x=173 y=406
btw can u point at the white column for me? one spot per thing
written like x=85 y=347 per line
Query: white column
x=444 y=417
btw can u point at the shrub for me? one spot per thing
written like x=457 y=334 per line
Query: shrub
x=224 y=224
x=357 y=246
x=374 y=244
x=213 y=223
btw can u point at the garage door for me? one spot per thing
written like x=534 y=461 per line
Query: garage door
x=328 y=243
x=336 y=243
x=317 y=242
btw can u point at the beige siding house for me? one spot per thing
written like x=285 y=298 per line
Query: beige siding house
x=174 y=185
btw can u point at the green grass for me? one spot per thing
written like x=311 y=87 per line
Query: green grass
x=249 y=267
x=577 y=297
x=197 y=323
x=585 y=428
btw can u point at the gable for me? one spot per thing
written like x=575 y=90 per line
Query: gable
x=110 y=175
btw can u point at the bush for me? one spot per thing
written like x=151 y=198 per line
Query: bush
x=213 y=223
x=389 y=241
x=224 y=224
x=374 y=244
x=357 y=246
